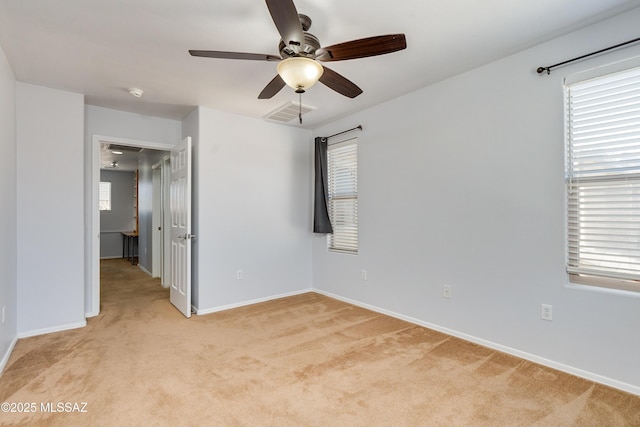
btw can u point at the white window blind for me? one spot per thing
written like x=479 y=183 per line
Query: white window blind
x=603 y=176
x=104 y=196
x=342 y=162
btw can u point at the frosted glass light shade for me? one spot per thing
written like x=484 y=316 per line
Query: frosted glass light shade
x=300 y=73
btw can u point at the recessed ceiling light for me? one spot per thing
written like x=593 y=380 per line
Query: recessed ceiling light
x=116 y=152
x=136 y=92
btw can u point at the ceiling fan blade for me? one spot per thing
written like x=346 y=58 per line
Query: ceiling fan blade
x=234 y=55
x=339 y=83
x=285 y=16
x=362 y=48
x=272 y=88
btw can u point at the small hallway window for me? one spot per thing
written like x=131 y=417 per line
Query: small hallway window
x=105 y=196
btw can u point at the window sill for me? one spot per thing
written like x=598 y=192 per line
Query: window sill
x=617 y=286
x=342 y=251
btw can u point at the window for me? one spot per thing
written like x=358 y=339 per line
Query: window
x=342 y=165
x=603 y=177
x=104 y=198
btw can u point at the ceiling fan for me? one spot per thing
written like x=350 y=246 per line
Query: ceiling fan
x=300 y=51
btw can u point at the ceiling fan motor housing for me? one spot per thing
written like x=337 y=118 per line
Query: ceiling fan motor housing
x=305 y=21
x=311 y=44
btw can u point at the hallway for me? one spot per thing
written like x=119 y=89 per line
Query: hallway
x=125 y=289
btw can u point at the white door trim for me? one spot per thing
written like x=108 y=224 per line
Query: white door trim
x=156 y=220
x=166 y=221
x=92 y=262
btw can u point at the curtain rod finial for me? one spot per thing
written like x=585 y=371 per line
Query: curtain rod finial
x=541 y=70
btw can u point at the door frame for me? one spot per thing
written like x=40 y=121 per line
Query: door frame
x=156 y=220
x=166 y=221
x=162 y=270
x=92 y=261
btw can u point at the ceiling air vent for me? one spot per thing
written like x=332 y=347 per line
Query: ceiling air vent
x=117 y=147
x=288 y=112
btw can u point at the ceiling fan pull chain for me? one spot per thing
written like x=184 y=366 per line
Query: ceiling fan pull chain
x=300 y=111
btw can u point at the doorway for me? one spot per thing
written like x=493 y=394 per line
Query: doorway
x=92 y=263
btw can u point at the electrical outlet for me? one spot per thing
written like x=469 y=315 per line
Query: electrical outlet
x=363 y=274
x=546 y=312
x=446 y=291
x=239 y=275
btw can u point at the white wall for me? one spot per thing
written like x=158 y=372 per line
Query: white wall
x=50 y=203
x=148 y=158
x=462 y=183
x=122 y=124
x=253 y=182
x=121 y=217
x=118 y=124
x=8 y=218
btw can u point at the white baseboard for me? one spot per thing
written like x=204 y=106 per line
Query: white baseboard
x=59 y=328
x=200 y=312
x=145 y=271
x=112 y=257
x=7 y=354
x=629 y=388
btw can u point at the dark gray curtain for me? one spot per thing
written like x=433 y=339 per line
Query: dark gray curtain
x=321 y=222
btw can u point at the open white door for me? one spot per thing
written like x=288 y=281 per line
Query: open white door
x=180 y=202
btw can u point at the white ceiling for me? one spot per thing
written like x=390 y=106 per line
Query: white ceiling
x=102 y=47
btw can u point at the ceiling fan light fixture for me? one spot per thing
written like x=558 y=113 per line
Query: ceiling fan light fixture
x=300 y=73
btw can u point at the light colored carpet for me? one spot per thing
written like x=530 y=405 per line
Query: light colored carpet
x=306 y=360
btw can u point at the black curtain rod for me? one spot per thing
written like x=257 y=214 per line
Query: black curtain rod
x=541 y=70
x=345 y=131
